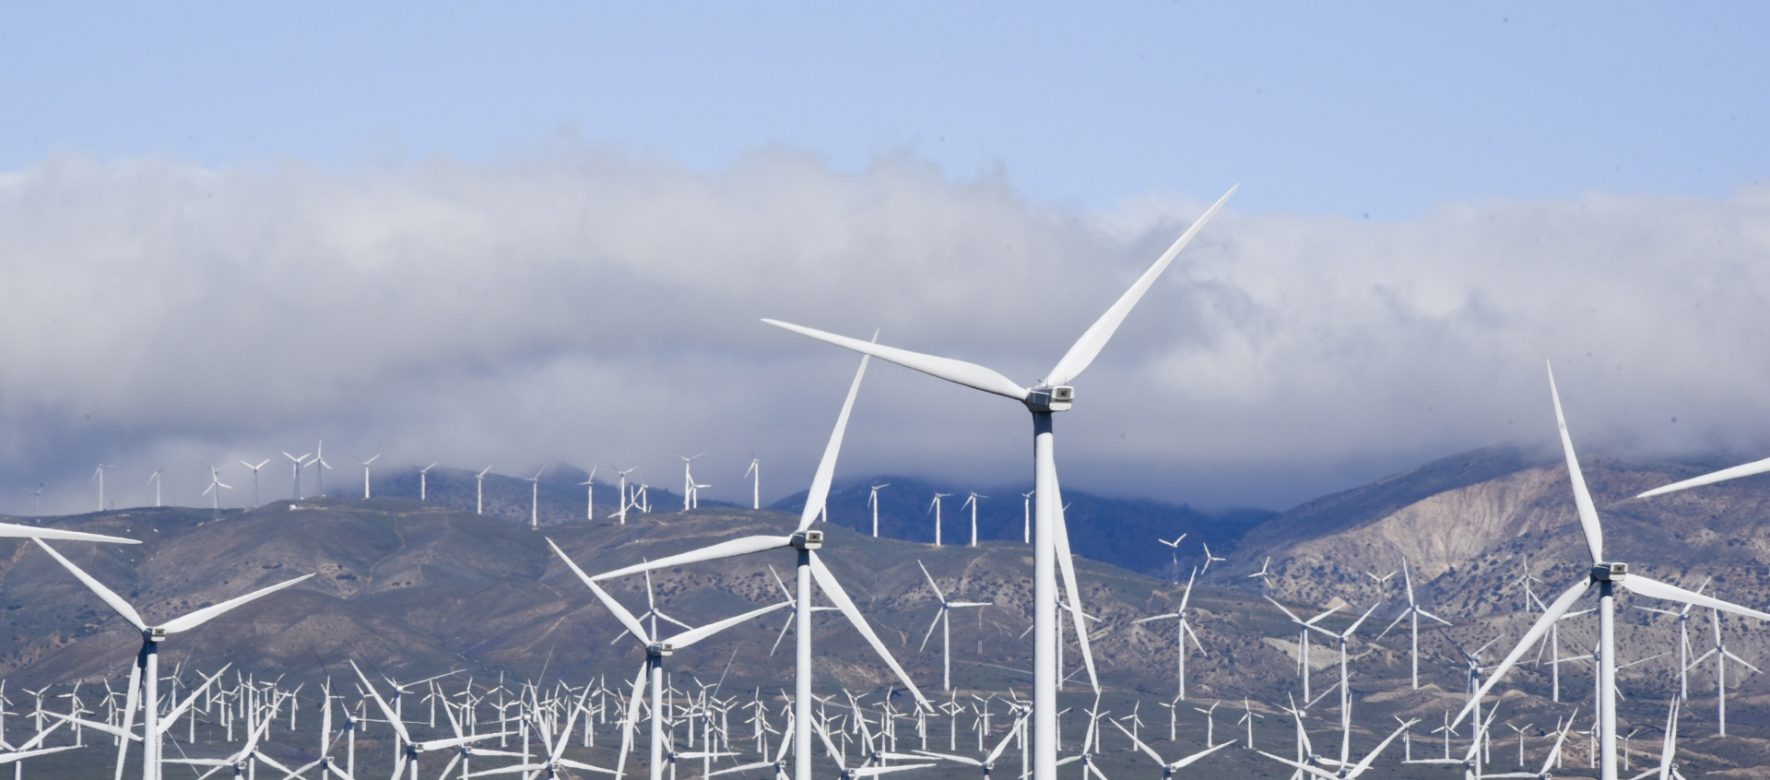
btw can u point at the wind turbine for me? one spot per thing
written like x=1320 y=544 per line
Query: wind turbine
x=215 y=487
x=589 y=485
x=98 y=474
x=1264 y=575
x=254 y=468
x=1683 y=616
x=1170 y=767
x=535 y=500
x=1303 y=629
x=319 y=473
x=146 y=671
x=971 y=501
x=754 y=472
x=873 y=503
x=1311 y=764
x=372 y=459
x=943 y=619
x=1182 y=632
x=688 y=480
x=1174 y=555
x=1209 y=557
x=621 y=512
x=410 y=748
x=154 y=478
x=806 y=542
x=1413 y=611
x=1051 y=395
x=424 y=482
x=1720 y=654
x=1606 y=574
x=479 y=491
x=934 y=506
x=295 y=464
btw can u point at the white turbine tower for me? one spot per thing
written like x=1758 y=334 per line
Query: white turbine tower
x=688 y=480
x=943 y=619
x=873 y=504
x=535 y=500
x=1184 y=630
x=261 y=464
x=971 y=502
x=145 y=675
x=372 y=459
x=754 y=472
x=214 y=489
x=479 y=491
x=1413 y=611
x=424 y=482
x=1720 y=654
x=934 y=506
x=589 y=486
x=153 y=479
x=98 y=474
x=1051 y=395
x=806 y=542
x=295 y=464
x=320 y=468
x=1606 y=574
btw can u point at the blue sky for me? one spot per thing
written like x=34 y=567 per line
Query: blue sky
x=1386 y=109
x=526 y=233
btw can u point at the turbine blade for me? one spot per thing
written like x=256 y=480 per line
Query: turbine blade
x=1189 y=760
x=1066 y=568
x=1652 y=588
x=13 y=531
x=1746 y=470
x=837 y=595
x=1139 y=743
x=104 y=594
x=693 y=635
x=1082 y=353
x=958 y=371
x=1537 y=629
x=632 y=723
x=207 y=614
x=380 y=703
x=728 y=549
x=819 y=493
x=1582 y=498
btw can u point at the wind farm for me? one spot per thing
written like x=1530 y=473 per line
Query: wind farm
x=1382 y=387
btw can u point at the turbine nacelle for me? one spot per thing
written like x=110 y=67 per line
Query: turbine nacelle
x=153 y=634
x=1050 y=398
x=1609 y=572
x=808 y=540
x=660 y=649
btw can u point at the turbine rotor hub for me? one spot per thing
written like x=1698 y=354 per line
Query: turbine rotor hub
x=1051 y=398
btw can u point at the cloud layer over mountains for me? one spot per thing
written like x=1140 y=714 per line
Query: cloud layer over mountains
x=579 y=304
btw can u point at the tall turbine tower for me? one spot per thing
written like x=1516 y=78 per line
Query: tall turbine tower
x=98 y=474
x=295 y=464
x=934 y=506
x=372 y=459
x=873 y=503
x=155 y=480
x=319 y=472
x=479 y=491
x=971 y=501
x=424 y=482
x=754 y=472
x=535 y=500
x=214 y=489
x=589 y=485
x=254 y=468
x=1051 y=395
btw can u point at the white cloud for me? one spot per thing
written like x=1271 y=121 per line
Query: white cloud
x=582 y=305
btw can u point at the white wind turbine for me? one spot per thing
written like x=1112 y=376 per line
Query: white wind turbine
x=1174 y=555
x=1303 y=629
x=145 y=675
x=320 y=467
x=372 y=459
x=943 y=619
x=1606 y=574
x=621 y=512
x=424 y=482
x=754 y=472
x=873 y=504
x=1683 y=616
x=1314 y=764
x=688 y=480
x=805 y=542
x=410 y=749
x=535 y=500
x=254 y=467
x=1209 y=558
x=1720 y=653
x=154 y=479
x=295 y=464
x=479 y=491
x=1051 y=553
x=214 y=489
x=1170 y=767
x=1413 y=611
x=934 y=506
x=971 y=501
x=589 y=486
x=1182 y=632
x=1265 y=573
x=98 y=474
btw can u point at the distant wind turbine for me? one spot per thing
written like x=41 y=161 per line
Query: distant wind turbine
x=971 y=501
x=943 y=619
x=479 y=491
x=98 y=474
x=873 y=503
x=934 y=506
x=424 y=482
x=754 y=472
x=535 y=500
x=254 y=468
x=215 y=487
x=295 y=464
x=589 y=485
x=372 y=459
x=153 y=479
x=319 y=473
